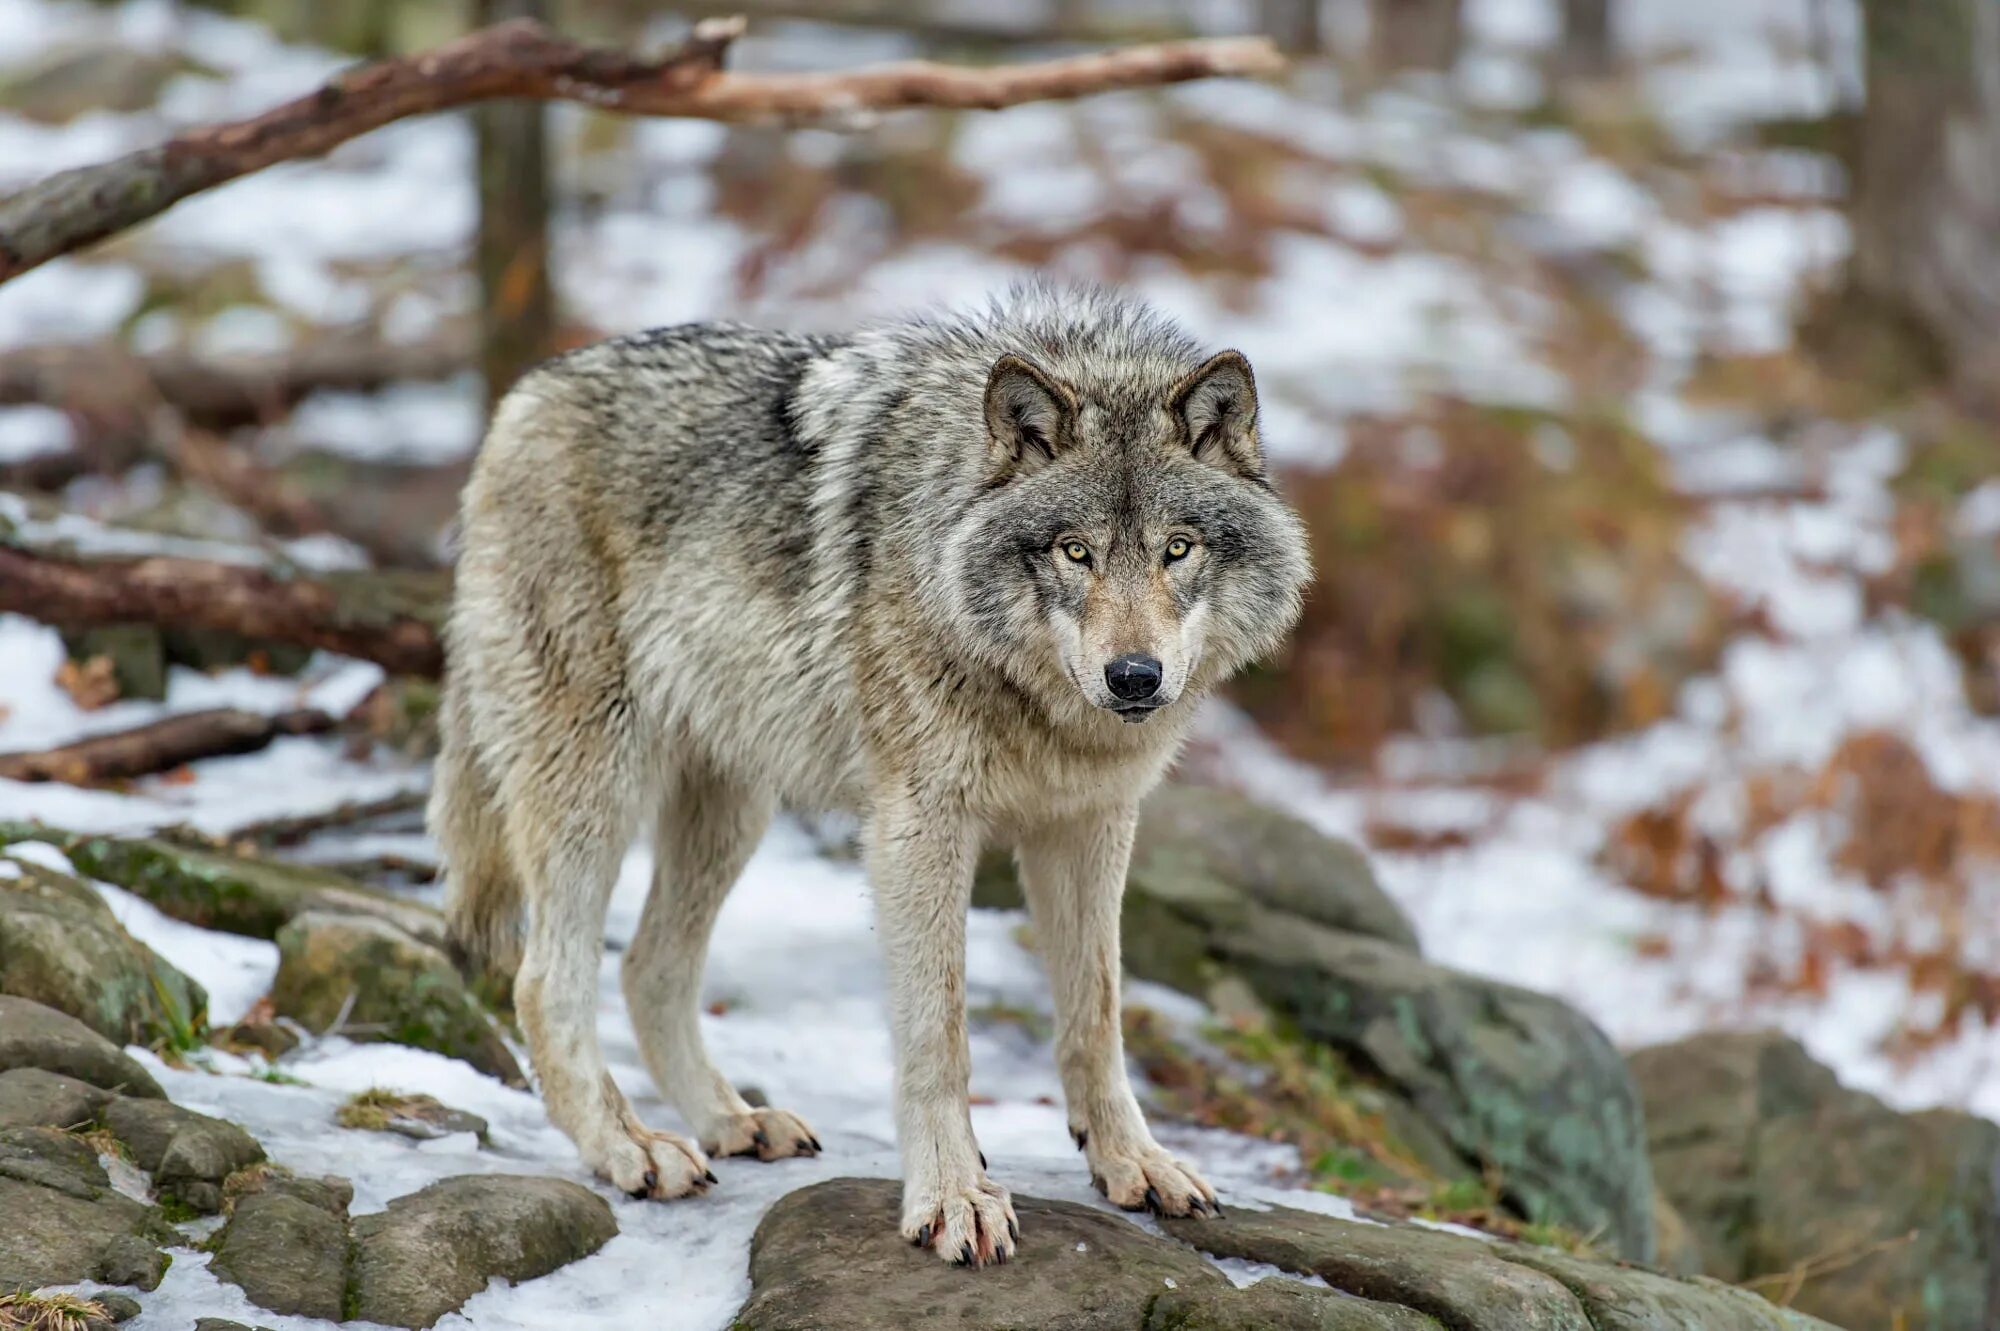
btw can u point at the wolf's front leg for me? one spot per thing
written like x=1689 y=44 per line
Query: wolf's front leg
x=920 y=856
x=1073 y=873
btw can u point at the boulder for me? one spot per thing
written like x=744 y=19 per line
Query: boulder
x=1775 y=1169
x=1208 y=859
x=431 y=1250
x=238 y=894
x=65 y=1223
x=189 y=1155
x=329 y=1192
x=1474 y=1285
x=61 y=946
x=829 y=1256
x=32 y=1098
x=35 y=1036
x=389 y=985
x=286 y=1254
x=420 y=1117
x=1517 y=1081
x=1226 y=897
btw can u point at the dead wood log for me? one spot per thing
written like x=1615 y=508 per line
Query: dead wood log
x=79 y=207
x=160 y=746
x=390 y=620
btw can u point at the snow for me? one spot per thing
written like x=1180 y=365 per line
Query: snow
x=33 y=431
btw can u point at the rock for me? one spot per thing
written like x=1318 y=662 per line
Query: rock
x=65 y=1224
x=1472 y=1285
x=829 y=1256
x=61 y=946
x=189 y=1155
x=1514 y=1079
x=286 y=1255
x=432 y=1250
x=400 y=989
x=329 y=1192
x=116 y=1306
x=32 y=1098
x=1277 y=1304
x=1675 y=1249
x=421 y=1117
x=35 y=1036
x=1208 y=859
x=217 y=890
x=223 y=1324
x=1773 y=1167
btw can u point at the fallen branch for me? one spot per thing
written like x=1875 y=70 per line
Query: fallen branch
x=368 y=616
x=219 y=393
x=76 y=208
x=160 y=746
x=291 y=829
x=231 y=473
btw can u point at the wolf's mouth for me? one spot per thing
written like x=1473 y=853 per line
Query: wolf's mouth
x=1136 y=712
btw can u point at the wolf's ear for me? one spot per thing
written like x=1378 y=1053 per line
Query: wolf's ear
x=1217 y=403
x=1029 y=416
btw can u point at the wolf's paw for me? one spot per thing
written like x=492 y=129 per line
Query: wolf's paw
x=659 y=1165
x=768 y=1134
x=1148 y=1179
x=969 y=1223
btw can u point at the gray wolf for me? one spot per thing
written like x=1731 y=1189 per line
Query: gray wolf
x=964 y=576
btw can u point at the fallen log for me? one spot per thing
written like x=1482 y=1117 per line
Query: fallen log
x=391 y=620
x=160 y=746
x=79 y=207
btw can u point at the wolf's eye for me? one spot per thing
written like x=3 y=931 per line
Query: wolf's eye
x=1077 y=551
x=1178 y=549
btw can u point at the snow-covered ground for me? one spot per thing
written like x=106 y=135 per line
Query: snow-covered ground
x=1359 y=308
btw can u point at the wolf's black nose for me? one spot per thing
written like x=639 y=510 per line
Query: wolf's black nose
x=1133 y=677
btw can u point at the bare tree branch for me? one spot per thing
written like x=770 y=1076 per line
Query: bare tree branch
x=160 y=746
x=522 y=59
x=386 y=619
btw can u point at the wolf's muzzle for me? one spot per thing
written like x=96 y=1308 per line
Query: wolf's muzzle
x=1134 y=680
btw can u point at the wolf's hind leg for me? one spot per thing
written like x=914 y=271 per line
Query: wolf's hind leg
x=1073 y=874
x=570 y=821
x=708 y=826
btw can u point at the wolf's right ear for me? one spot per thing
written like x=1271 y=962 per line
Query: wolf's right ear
x=1029 y=416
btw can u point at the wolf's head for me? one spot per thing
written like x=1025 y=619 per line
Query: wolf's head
x=1127 y=540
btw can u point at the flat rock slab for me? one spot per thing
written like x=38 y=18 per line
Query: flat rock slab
x=830 y=1256
x=33 y=1035
x=430 y=1251
x=1472 y=1285
x=63 y=1221
x=1278 y=1304
x=32 y=1098
x=189 y=1155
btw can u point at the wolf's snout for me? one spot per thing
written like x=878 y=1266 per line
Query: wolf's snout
x=1133 y=677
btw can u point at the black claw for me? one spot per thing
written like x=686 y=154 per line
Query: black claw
x=652 y=1180
x=965 y=1255
x=638 y=1194
x=803 y=1145
x=999 y=1257
x=708 y=1176
x=982 y=1160
x=924 y=1237
x=1097 y=1182
x=1217 y=1208
x=759 y=1138
x=1082 y=1136
x=1153 y=1202
x=1013 y=1230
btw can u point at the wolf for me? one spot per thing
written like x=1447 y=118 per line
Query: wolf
x=963 y=576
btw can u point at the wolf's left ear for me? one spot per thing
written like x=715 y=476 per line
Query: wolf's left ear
x=1029 y=415
x=1217 y=403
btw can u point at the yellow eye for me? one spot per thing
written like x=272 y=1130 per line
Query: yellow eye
x=1077 y=551
x=1178 y=549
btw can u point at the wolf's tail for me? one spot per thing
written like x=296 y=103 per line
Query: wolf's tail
x=482 y=895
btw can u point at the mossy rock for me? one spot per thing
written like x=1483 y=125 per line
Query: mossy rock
x=190 y=1155
x=64 y=1221
x=60 y=946
x=1772 y=1165
x=215 y=889
x=389 y=985
x=36 y=1036
x=285 y=1254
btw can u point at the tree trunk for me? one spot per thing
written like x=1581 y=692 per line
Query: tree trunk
x=1586 y=41
x=1926 y=207
x=1416 y=34
x=516 y=301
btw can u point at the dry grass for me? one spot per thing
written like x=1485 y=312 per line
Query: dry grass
x=51 y=1312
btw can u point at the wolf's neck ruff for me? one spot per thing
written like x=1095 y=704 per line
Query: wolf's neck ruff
x=967 y=575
